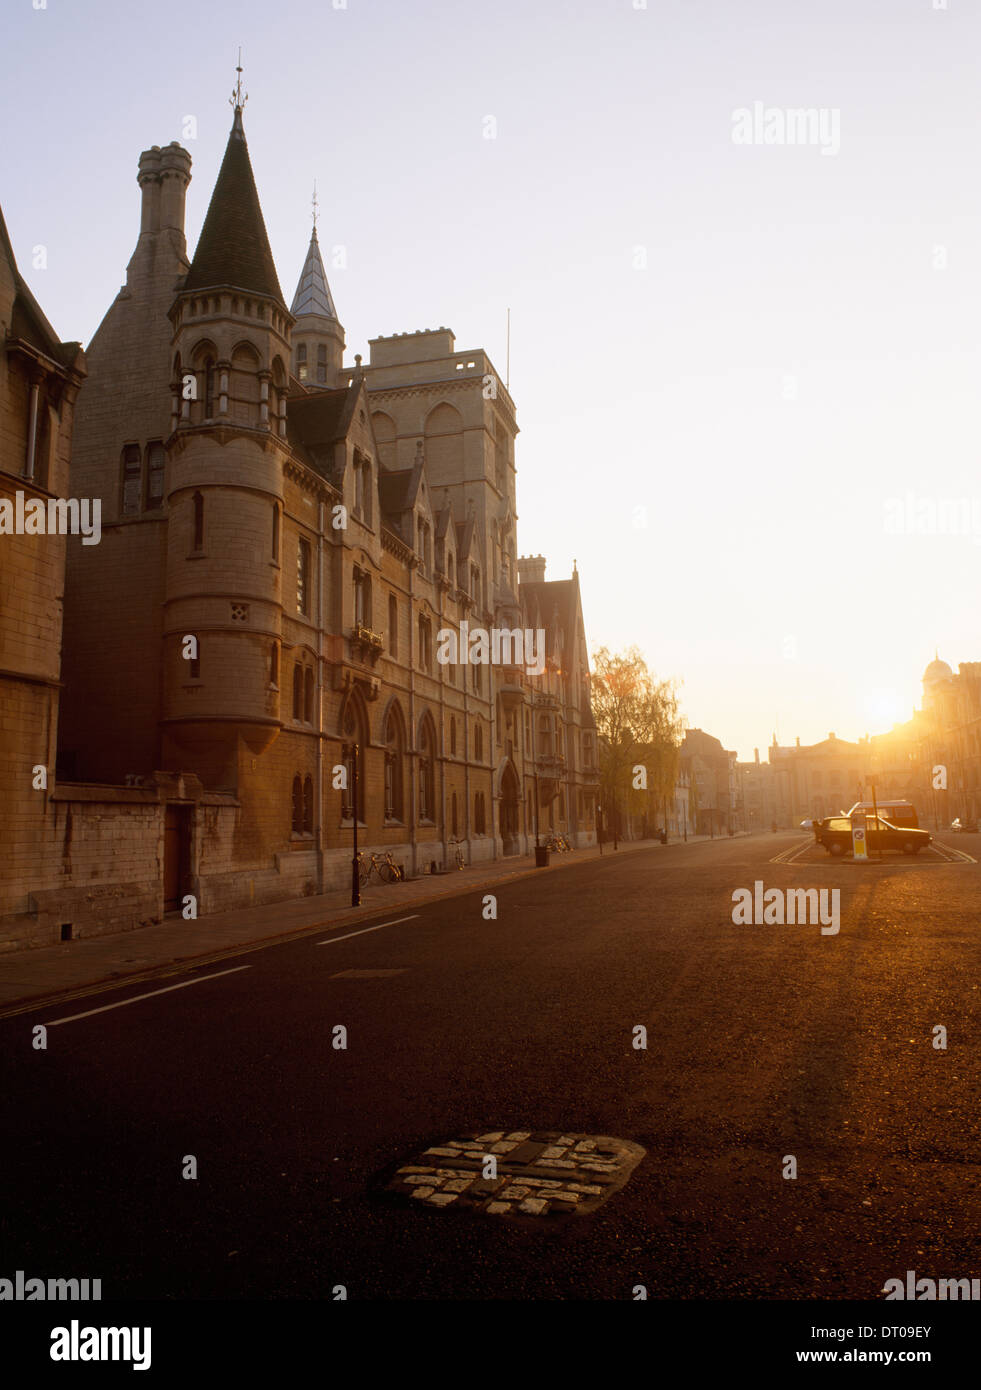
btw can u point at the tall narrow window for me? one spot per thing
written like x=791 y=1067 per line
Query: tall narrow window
x=154 y=475
x=394 y=748
x=308 y=806
x=303 y=577
x=308 y=695
x=393 y=625
x=297 y=801
x=366 y=491
x=132 y=479
x=478 y=744
x=453 y=819
x=275 y=532
x=209 y=388
x=198 y=521
x=362 y=598
x=479 y=821
x=425 y=644
x=297 y=691
x=301 y=361
x=427 y=773
x=452 y=737
x=322 y=363
x=274 y=664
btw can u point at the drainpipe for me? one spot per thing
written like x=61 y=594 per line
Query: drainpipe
x=467 y=811
x=442 y=733
x=319 y=803
x=413 y=732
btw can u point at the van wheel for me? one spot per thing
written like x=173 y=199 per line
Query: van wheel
x=835 y=848
x=909 y=847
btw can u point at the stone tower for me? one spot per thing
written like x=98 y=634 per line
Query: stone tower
x=222 y=588
x=318 y=338
x=113 y=591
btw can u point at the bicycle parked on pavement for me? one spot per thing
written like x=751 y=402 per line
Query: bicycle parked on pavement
x=383 y=865
x=458 y=856
x=558 y=842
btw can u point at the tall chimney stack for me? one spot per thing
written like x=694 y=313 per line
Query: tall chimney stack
x=149 y=180
x=175 y=175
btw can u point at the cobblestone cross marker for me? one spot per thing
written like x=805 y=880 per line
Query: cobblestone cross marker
x=538 y=1174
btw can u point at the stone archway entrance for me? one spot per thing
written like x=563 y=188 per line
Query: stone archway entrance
x=508 y=813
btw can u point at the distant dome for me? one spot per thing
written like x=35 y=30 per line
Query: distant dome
x=936 y=672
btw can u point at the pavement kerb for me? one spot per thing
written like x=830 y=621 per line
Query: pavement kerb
x=177 y=964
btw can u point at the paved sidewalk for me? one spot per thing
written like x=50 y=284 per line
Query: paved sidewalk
x=129 y=956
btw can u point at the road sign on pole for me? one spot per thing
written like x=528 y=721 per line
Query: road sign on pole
x=860 y=844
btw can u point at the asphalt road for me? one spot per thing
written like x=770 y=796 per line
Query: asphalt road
x=763 y=1042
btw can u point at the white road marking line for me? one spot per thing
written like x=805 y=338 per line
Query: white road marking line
x=331 y=939
x=137 y=997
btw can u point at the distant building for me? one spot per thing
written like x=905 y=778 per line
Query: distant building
x=713 y=781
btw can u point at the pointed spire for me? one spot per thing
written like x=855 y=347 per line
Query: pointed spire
x=313 y=293
x=233 y=248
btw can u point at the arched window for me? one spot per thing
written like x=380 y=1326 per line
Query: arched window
x=198 y=522
x=452 y=737
x=209 y=388
x=479 y=820
x=297 y=805
x=308 y=806
x=394 y=750
x=308 y=695
x=301 y=361
x=297 y=691
x=354 y=730
x=478 y=744
x=427 y=771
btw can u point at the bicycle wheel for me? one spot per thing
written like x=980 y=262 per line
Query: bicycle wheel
x=389 y=873
x=364 y=873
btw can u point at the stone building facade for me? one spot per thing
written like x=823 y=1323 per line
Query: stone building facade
x=285 y=543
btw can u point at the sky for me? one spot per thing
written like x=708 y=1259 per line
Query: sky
x=744 y=352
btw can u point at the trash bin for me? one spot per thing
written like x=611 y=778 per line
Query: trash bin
x=541 y=857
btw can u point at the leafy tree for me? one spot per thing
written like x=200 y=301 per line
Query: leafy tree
x=638 y=725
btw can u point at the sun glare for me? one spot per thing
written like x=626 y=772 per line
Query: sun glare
x=884 y=708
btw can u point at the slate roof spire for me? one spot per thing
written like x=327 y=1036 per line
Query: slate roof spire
x=233 y=248
x=313 y=293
